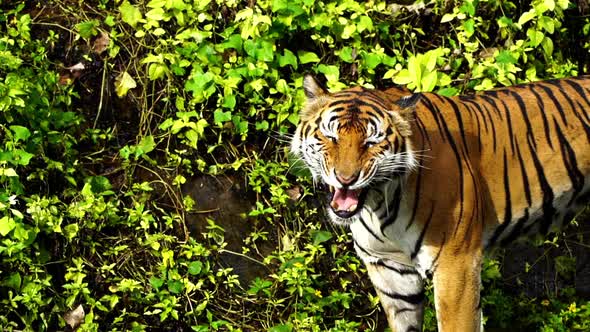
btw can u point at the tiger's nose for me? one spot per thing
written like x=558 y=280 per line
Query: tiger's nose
x=347 y=179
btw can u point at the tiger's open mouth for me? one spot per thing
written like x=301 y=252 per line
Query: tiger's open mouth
x=346 y=202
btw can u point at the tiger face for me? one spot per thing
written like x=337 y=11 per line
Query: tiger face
x=351 y=141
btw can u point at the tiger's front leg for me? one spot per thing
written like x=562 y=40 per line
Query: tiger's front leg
x=401 y=291
x=457 y=284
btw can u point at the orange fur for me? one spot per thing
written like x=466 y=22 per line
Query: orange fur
x=490 y=167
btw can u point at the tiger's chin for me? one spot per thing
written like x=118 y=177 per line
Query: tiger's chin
x=344 y=204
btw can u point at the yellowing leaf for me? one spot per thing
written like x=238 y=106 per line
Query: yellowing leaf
x=123 y=83
x=129 y=13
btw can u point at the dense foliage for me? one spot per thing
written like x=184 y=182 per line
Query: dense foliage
x=110 y=109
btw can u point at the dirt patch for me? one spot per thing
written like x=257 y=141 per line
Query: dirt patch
x=224 y=200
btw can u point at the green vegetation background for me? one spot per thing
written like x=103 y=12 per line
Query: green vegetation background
x=112 y=111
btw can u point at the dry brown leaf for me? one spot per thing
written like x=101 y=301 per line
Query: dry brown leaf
x=75 y=317
x=294 y=193
x=101 y=43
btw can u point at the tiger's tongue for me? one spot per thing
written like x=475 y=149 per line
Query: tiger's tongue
x=344 y=199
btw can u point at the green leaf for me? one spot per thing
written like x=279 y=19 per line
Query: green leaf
x=175 y=286
x=547 y=45
x=157 y=3
x=535 y=37
x=372 y=60
x=6 y=225
x=365 y=23
x=320 y=236
x=281 y=328
x=156 y=14
x=123 y=83
x=219 y=116
x=70 y=231
x=527 y=16
x=547 y=23
x=504 y=22
x=447 y=18
x=428 y=82
x=229 y=101
x=13 y=281
x=88 y=29
x=260 y=50
x=332 y=73
x=288 y=58
x=20 y=133
x=262 y=125
x=21 y=157
x=346 y=54
x=278 y=5
x=195 y=267
x=307 y=57
x=156 y=282
x=129 y=13
x=157 y=70
x=403 y=77
x=99 y=184
x=199 y=82
x=467 y=8
x=234 y=41
x=505 y=57
x=469 y=26
x=348 y=31
x=146 y=145
x=297 y=167
x=448 y=92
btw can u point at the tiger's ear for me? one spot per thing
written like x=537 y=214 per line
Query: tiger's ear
x=407 y=104
x=313 y=89
x=408 y=101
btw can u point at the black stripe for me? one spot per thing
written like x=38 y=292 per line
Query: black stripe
x=414 y=299
x=479 y=136
x=523 y=111
x=402 y=310
x=581 y=94
x=400 y=271
x=357 y=245
x=507 y=205
x=557 y=104
x=541 y=106
x=436 y=115
x=509 y=122
x=433 y=109
x=455 y=108
x=434 y=264
x=492 y=102
x=525 y=178
x=575 y=110
x=517 y=229
x=548 y=196
x=418 y=244
x=571 y=164
x=416 y=197
x=362 y=220
x=394 y=212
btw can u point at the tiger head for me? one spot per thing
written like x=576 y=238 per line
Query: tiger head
x=352 y=140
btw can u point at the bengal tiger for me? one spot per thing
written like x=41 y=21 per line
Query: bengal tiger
x=428 y=183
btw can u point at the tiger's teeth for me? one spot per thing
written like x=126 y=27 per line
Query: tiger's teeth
x=332 y=189
x=334 y=205
x=352 y=208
